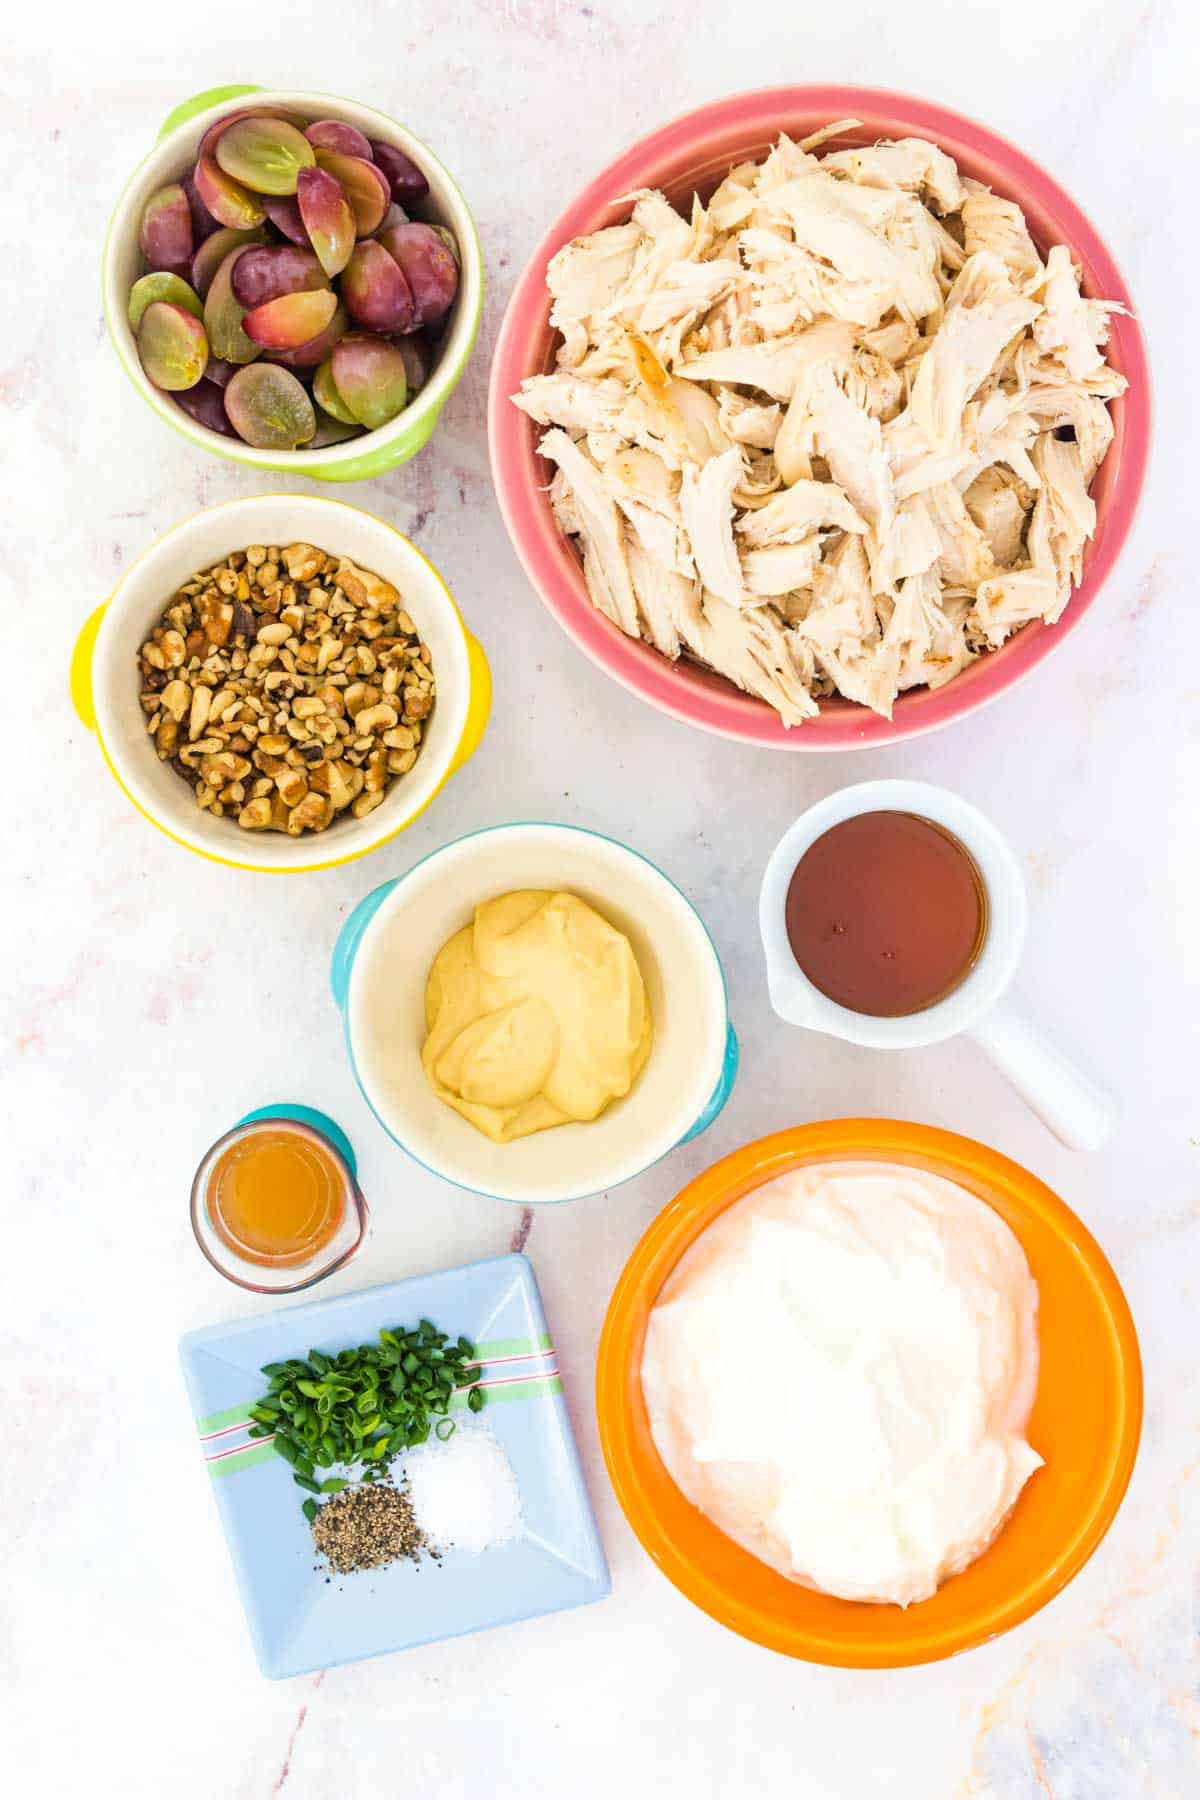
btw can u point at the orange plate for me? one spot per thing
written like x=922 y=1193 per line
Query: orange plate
x=1085 y=1422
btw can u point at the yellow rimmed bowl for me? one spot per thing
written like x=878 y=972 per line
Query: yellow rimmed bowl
x=357 y=459
x=106 y=689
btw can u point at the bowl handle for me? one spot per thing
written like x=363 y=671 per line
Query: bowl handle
x=349 y=938
x=479 y=703
x=318 y=1121
x=81 y=667
x=187 y=109
x=721 y=1092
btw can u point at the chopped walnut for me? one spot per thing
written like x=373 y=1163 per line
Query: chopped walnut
x=289 y=676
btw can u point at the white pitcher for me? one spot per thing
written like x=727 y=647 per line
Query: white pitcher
x=1076 y=1108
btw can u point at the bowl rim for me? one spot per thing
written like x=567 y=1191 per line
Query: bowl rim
x=658 y=1251
x=673 y=688
x=538 y=827
x=387 y=829
x=421 y=413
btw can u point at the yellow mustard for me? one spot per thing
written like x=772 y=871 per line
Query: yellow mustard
x=537 y=1015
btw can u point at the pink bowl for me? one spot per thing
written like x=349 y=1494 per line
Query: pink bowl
x=695 y=152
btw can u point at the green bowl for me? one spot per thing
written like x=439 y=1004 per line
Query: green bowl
x=357 y=459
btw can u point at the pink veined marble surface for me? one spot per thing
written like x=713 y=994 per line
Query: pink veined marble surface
x=148 y=999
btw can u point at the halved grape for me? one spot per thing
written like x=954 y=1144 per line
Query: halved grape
x=226 y=199
x=166 y=229
x=162 y=286
x=214 y=250
x=418 y=355
x=331 y=431
x=327 y=397
x=405 y=179
x=375 y=289
x=264 y=274
x=396 y=215
x=208 y=143
x=203 y=223
x=451 y=242
x=223 y=315
x=328 y=218
x=284 y=215
x=365 y=187
x=172 y=345
x=369 y=375
x=307 y=356
x=429 y=268
x=269 y=409
x=206 y=404
x=331 y=134
x=264 y=154
x=291 y=320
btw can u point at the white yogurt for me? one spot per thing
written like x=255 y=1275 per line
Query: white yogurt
x=839 y=1372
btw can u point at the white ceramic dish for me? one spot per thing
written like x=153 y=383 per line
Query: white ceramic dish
x=106 y=688
x=382 y=960
x=1074 y=1107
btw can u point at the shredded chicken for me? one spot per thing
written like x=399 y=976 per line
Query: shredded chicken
x=832 y=433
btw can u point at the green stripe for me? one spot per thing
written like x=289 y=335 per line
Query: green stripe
x=512 y=1346
x=256 y=1453
x=524 y=1390
x=233 y=1415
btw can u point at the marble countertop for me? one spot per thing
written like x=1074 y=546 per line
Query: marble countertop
x=149 y=998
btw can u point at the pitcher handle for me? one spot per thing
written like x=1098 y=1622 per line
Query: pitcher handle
x=1078 y=1109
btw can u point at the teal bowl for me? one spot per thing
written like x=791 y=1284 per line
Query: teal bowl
x=383 y=956
x=356 y=459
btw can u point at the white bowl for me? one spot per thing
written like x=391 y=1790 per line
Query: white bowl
x=106 y=687
x=382 y=960
x=173 y=155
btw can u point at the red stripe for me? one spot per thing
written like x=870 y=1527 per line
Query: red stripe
x=512 y=1380
x=207 y=1436
x=487 y=1362
x=500 y=1381
x=237 y=1449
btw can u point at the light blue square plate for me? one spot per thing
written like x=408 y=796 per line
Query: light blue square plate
x=300 y=1620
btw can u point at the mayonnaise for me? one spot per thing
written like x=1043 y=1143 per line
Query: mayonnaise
x=537 y=1014
x=839 y=1372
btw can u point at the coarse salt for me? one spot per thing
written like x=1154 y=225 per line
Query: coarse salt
x=464 y=1494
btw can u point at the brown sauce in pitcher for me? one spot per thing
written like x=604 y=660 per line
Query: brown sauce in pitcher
x=886 y=913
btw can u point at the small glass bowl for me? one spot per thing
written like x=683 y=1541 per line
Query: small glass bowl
x=351 y=1234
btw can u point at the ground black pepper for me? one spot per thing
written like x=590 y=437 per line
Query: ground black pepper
x=367 y=1528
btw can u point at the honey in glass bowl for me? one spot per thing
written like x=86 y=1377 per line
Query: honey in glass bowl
x=275 y=1203
x=276 y=1196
